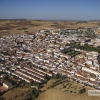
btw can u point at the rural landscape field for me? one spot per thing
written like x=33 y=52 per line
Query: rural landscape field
x=30 y=26
x=65 y=90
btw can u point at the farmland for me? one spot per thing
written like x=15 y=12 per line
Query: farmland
x=19 y=26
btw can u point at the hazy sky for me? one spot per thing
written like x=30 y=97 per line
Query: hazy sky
x=50 y=9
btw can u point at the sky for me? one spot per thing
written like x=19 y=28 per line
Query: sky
x=50 y=9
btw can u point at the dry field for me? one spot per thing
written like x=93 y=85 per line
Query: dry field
x=16 y=94
x=19 y=26
x=55 y=94
x=69 y=92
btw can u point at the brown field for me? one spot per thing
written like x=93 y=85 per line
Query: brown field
x=19 y=26
x=54 y=94
x=16 y=94
x=60 y=93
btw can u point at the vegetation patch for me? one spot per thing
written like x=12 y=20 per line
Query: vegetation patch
x=70 y=52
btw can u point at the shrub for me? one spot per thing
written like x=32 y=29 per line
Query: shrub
x=82 y=90
x=64 y=86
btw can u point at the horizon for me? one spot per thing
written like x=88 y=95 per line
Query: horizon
x=49 y=19
x=50 y=10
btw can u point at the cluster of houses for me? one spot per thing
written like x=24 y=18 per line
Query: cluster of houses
x=32 y=57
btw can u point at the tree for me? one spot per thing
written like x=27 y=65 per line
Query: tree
x=64 y=86
x=57 y=76
x=82 y=90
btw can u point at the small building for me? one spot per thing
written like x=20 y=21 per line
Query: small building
x=7 y=84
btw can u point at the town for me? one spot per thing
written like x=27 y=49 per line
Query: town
x=72 y=53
